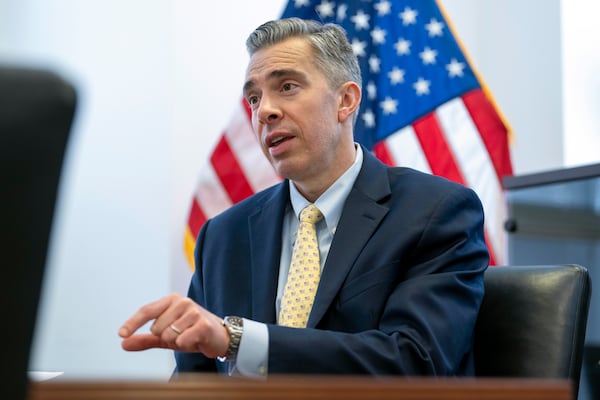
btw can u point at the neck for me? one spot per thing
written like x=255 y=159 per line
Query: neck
x=312 y=189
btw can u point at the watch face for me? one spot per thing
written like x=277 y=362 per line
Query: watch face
x=235 y=327
x=232 y=320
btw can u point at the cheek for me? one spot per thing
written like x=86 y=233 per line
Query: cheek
x=256 y=128
x=325 y=122
x=320 y=113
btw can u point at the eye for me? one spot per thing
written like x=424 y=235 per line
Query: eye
x=252 y=100
x=286 y=87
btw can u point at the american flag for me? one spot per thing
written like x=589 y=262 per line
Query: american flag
x=423 y=107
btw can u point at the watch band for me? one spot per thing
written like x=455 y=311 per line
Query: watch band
x=235 y=326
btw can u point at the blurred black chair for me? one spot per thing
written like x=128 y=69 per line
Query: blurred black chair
x=591 y=361
x=36 y=113
x=532 y=322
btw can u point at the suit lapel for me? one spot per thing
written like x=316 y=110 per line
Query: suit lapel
x=361 y=215
x=265 y=246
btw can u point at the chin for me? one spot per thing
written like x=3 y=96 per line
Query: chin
x=286 y=171
x=292 y=168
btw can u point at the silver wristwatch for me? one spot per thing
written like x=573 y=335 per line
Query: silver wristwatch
x=235 y=326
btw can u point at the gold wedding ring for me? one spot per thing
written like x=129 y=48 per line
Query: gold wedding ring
x=175 y=329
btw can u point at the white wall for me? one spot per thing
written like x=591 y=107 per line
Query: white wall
x=516 y=47
x=158 y=81
x=109 y=253
x=581 y=81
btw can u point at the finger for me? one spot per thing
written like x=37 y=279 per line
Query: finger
x=180 y=316
x=188 y=318
x=169 y=335
x=143 y=315
x=179 y=307
x=143 y=342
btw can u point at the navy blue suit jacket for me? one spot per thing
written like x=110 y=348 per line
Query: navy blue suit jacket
x=399 y=293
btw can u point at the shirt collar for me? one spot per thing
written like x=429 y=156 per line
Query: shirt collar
x=332 y=200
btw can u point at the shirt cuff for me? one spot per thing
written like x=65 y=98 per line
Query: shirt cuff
x=253 y=353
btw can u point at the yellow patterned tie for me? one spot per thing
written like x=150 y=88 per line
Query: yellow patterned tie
x=305 y=272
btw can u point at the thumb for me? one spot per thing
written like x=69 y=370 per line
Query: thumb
x=143 y=342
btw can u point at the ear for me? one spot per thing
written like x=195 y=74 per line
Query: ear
x=350 y=95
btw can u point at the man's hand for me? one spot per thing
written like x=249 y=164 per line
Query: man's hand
x=179 y=324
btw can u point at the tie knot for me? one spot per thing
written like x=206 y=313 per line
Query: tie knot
x=311 y=214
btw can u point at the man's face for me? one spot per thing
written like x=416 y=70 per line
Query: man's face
x=296 y=115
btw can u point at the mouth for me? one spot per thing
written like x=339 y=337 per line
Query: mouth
x=276 y=139
x=278 y=144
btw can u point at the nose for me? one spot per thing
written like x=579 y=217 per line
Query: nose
x=268 y=111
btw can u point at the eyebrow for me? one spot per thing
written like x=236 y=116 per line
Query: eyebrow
x=278 y=73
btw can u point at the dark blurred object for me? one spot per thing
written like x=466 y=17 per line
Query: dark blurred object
x=532 y=322
x=36 y=112
x=592 y=367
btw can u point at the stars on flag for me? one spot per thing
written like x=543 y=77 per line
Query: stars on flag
x=361 y=20
x=389 y=105
x=341 y=12
x=396 y=76
x=325 y=9
x=378 y=35
x=455 y=68
x=408 y=16
x=405 y=54
x=371 y=91
x=369 y=118
x=383 y=8
x=428 y=56
x=374 y=64
x=301 y=3
x=434 y=27
x=358 y=47
x=421 y=86
x=402 y=47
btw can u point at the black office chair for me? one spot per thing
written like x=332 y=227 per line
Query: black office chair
x=532 y=322
x=36 y=112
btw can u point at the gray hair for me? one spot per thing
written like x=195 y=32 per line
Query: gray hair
x=333 y=53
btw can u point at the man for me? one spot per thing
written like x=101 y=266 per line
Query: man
x=401 y=254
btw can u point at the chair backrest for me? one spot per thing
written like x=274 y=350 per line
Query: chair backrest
x=532 y=322
x=36 y=112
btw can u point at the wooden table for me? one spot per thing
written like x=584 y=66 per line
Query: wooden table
x=305 y=387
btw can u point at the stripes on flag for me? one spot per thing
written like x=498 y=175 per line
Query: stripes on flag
x=423 y=107
x=448 y=143
x=237 y=169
